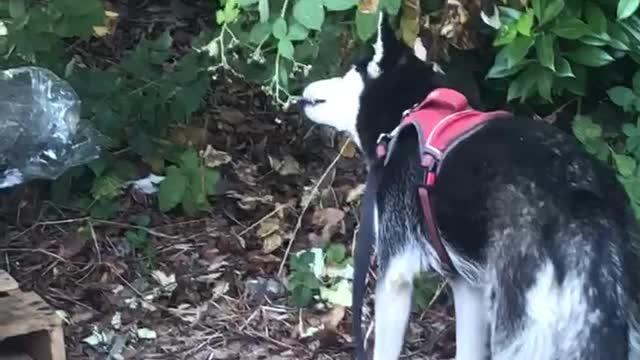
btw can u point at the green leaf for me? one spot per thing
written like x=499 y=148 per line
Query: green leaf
x=336 y=253
x=309 y=13
x=172 y=189
x=571 y=29
x=595 y=18
x=584 y=128
x=517 y=50
x=280 y=29
x=630 y=130
x=340 y=5
x=245 y=3
x=17 y=8
x=544 y=80
x=259 y=32
x=544 y=51
x=506 y=34
x=522 y=85
x=626 y=8
x=211 y=178
x=622 y=96
x=563 y=68
x=551 y=11
x=589 y=56
x=263 y=10
x=391 y=6
x=626 y=165
x=500 y=69
x=366 y=24
x=619 y=39
x=525 y=23
x=297 y=32
x=636 y=82
x=285 y=48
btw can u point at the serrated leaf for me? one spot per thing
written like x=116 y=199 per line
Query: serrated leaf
x=571 y=29
x=366 y=24
x=525 y=23
x=297 y=32
x=595 y=17
x=545 y=51
x=309 y=13
x=622 y=96
x=626 y=165
x=172 y=189
x=280 y=29
x=285 y=48
x=626 y=8
x=259 y=32
x=551 y=11
x=340 y=5
x=563 y=68
x=589 y=56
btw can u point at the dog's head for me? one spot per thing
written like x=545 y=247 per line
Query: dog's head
x=371 y=97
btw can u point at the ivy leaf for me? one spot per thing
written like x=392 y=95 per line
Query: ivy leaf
x=622 y=96
x=544 y=51
x=172 y=189
x=280 y=29
x=626 y=165
x=309 y=13
x=525 y=23
x=551 y=11
x=626 y=8
x=590 y=56
x=595 y=18
x=366 y=24
x=571 y=29
x=297 y=32
x=584 y=128
x=285 y=48
x=340 y=5
x=517 y=50
x=563 y=68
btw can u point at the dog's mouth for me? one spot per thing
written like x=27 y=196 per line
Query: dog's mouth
x=304 y=102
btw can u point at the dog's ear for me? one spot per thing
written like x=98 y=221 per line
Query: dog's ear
x=389 y=51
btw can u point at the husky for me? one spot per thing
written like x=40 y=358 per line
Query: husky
x=540 y=238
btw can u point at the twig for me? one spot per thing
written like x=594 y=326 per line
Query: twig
x=48 y=253
x=306 y=206
x=275 y=211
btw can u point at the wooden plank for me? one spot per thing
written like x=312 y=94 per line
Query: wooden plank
x=15 y=357
x=7 y=283
x=24 y=313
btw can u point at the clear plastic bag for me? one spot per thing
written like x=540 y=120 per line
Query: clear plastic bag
x=41 y=135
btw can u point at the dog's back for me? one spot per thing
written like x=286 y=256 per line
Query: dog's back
x=541 y=234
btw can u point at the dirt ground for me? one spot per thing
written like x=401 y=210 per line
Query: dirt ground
x=212 y=288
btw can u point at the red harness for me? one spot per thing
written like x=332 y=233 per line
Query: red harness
x=442 y=120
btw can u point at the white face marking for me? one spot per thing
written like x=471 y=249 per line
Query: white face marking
x=335 y=102
x=373 y=68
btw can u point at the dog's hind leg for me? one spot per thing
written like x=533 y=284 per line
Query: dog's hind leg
x=393 y=301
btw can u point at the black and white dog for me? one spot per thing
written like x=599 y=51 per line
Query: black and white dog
x=540 y=234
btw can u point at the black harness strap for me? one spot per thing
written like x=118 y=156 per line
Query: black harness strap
x=362 y=255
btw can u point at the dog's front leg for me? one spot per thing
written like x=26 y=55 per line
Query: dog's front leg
x=472 y=324
x=393 y=303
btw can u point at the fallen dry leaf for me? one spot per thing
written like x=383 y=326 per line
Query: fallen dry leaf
x=271 y=243
x=356 y=193
x=268 y=227
x=332 y=319
x=350 y=150
x=327 y=216
x=287 y=166
x=214 y=158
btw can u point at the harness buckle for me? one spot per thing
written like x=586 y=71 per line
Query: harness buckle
x=381 y=145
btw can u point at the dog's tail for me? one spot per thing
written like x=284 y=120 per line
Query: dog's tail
x=362 y=255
